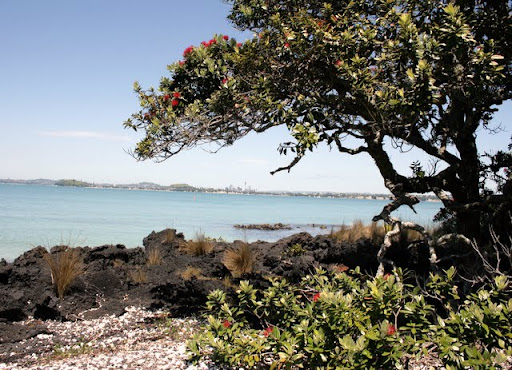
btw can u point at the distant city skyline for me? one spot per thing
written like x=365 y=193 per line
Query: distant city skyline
x=67 y=73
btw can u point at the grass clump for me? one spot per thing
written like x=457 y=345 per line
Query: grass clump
x=373 y=232
x=65 y=266
x=239 y=261
x=117 y=263
x=353 y=321
x=67 y=351
x=169 y=236
x=199 y=246
x=358 y=230
x=138 y=276
x=191 y=272
x=154 y=256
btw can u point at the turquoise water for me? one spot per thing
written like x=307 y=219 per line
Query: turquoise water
x=33 y=215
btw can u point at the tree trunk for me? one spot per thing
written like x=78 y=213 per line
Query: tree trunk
x=468 y=174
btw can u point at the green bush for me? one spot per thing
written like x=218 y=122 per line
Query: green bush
x=352 y=321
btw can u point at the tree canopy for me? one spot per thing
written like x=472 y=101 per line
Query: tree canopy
x=426 y=74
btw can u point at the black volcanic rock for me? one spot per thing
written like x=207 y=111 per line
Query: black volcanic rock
x=115 y=277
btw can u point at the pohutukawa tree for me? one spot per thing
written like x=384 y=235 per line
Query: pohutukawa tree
x=426 y=74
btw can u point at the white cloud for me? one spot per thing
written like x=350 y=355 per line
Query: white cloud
x=85 y=135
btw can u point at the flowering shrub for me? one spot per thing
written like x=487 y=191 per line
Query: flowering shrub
x=352 y=321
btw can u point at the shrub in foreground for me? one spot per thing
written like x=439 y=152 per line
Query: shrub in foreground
x=351 y=321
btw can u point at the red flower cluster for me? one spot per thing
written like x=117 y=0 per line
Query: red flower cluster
x=188 y=50
x=166 y=97
x=316 y=297
x=181 y=62
x=339 y=63
x=239 y=44
x=225 y=37
x=208 y=43
x=226 y=324
x=175 y=102
x=267 y=331
x=224 y=81
x=391 y=329
x=176 y=95
x=287 y=45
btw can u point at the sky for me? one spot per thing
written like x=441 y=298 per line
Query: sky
x=66 y=74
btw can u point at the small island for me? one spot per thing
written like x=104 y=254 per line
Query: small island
x=76 y=183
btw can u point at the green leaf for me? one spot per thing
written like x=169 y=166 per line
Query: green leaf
x=411 y=74
x=451 y=9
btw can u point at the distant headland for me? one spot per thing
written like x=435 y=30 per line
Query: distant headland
x=189 y=188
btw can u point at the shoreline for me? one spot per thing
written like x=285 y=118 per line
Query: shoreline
x=200 y=190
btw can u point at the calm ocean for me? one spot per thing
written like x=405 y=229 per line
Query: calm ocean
x=33 y=215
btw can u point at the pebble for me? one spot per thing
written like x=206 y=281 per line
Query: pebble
x=139 y=339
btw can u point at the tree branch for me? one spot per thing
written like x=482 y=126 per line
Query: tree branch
x=290 y=166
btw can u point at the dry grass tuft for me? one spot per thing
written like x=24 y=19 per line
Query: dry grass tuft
x=239 y=261
x=199 y=246
x=169 y=236
x=409 y=236
x=138 y=276
x=340 y=267
x=117 y=263
x=375 y=233
x=228 y=283
x=65 y=267
x=358 y=230
x=191 y=272
x=154 y=256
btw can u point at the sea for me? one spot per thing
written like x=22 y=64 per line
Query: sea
x=34 y=215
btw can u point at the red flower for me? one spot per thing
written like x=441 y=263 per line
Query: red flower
x=212 y=41
x=391 y=329
x=225 y=37
x=239 y=44
x=176 y=95
x=188 y=50
x=286 y=45
x=339 y=63
x=166 y=97
x=316 y=297
x=181 y=62
x=224 y=81
x=226 y=324
x=386 y=276
x=267 y=331
x=175 y=102
x=205 y=44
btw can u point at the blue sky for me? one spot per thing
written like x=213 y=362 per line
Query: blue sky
x=67 y=70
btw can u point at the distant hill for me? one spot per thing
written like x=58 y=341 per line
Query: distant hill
x=182 y=187
x=29 y=182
